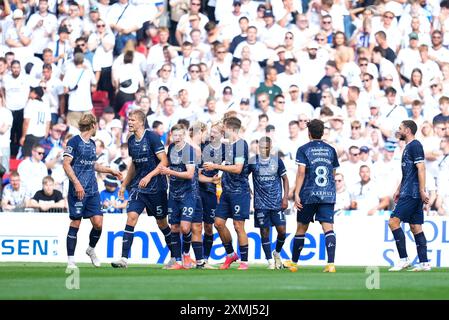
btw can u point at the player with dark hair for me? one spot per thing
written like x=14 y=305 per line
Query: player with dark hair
x=147 y=187
x=83 y=198
x=269 y=177
x=182 y=198
x=235 y=199
x=410 y=198
x=315 y=192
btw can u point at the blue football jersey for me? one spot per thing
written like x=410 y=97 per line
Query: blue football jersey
x=83 y=164
x=214 y=155
x=413 y=154
x=267 y=180
x=144 y=156
x=236 y=153
x=320 y=160
x=178 y=161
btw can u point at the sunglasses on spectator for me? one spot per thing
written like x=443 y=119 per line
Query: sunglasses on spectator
x=100 y=25
x=194 y=71
x=388 y=16
x=355 y=128
x=355 y=154
x=281 y=102
x=363 y=64
x=327 y=22
x=339 y=180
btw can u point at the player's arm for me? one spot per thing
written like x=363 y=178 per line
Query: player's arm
x=129 y=176
x=422 y=181
x=163 y=162
x=187 y=175
x=204 y=179
x=79 y=190
x=285 y=185
x=102 y=169
x=300 y=175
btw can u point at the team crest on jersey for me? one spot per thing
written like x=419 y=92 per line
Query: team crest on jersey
x=69 y=149
x=144 y=148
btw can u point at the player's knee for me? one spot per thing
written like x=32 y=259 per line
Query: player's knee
x=415 y=228
x=394 y=223
x=208 y=229
x=175 y=228
x=185 y=229
x=239 y=227
x=219 y=224
x=264 y=232
x=162 y=223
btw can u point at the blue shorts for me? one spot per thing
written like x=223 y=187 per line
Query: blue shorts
x=409 y=210
x=323 y=212
x=209 y=201
x=184 y=210
x=88 y=207
x=156 y=204
x=234 y=206
x=268 y=218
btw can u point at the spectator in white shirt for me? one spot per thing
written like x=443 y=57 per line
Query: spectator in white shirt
x=343 y=197
x=5 y=132
x=43 y=26
x=366 y=195
x=17 y=37
x=37 y=119
x=14 y=194
x=33 y=170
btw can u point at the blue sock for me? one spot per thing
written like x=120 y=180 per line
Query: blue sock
x=298 y=244
x=331 y=243
x=186 y=241
x=280 y=242
x=207 y=244
x=198 y=250
x=228 y=247
x=399 y=237
x=128 y=237
x=94 y=236
x=421 y=247
x=167 y=234
x=71 y=241
x=244 y=253
x=266 y=245
x=176 y=245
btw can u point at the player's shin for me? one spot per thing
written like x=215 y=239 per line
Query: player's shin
x=399 y=237
x=280 y=242
x=207 y=244
x=128 y=237
x=421 y=246
x=176 y=245
x=167 y=235
x=186 y=242
x=331 y=243
x=266 y=245
x=298 y=245
x=94 y=236
x=71 y=241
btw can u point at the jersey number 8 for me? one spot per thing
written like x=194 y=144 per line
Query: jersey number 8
x=321 y=176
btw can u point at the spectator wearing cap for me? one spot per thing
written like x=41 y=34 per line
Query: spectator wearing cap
x=408 y=58
x=18 y=37
x=16 y=89
x=294 y=104
x=226 y=101
x=78 y=82
x=37 y=119
x=47 y=199
x=61 y=47
x=110 y=201
x=271 y=34
x=43 y=26
x=90 y=22
x=368 y=196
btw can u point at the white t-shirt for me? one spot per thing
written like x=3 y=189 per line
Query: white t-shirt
x=31 y=175
x=79 y=99
x=39 y=114
x=16 y=91
x=5 y=118
x=102 y=58
x=41 y=36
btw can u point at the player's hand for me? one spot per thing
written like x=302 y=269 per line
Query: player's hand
x=121 y=192
x=209 y=166
x=144 y=182
x=424 y=197
x=117 y=174
x=216 y=179
x=396 y=197
x=79 y=191
x=165 y=171
x=284 y=204
x=371 y=212
x=298 y=203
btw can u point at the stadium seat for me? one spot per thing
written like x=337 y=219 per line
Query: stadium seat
x=14 y=164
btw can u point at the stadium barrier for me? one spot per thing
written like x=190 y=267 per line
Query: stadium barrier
x=361 y=240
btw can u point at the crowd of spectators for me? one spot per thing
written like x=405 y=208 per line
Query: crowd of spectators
x=361 y=66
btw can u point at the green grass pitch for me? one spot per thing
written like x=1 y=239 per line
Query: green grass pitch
x=48 y=281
